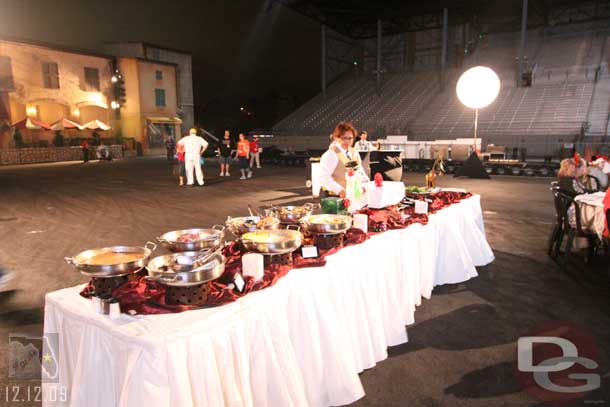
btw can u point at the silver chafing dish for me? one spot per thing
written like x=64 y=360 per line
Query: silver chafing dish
x=326 y=224
x=276 y=241
x=185 y=269
x=112 y=261
x=292 y=214
x=240 y=225
x=199 y=239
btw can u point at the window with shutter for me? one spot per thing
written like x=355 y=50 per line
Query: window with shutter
x=160 y=97
x=6 y=74
x=92 y=79
x=50 y=75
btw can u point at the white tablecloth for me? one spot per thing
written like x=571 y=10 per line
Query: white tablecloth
x=301 y=342
x=592 y=216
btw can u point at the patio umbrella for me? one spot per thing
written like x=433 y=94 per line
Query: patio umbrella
x=96 y=125
x=65 y=124
x=31 y=124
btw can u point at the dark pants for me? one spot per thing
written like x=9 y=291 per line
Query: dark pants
x=243 y=163
x=85 y=154
x=170 y=154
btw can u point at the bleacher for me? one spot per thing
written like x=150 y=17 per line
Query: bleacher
x=569 y=98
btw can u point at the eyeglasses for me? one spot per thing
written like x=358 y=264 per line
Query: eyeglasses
x=347 y=138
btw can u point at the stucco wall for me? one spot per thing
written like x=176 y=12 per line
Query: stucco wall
x=184 y=79
x=26 y=62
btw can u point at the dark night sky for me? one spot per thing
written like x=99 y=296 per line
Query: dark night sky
x=238 y=50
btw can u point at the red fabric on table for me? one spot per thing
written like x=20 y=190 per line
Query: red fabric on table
x=148 y=297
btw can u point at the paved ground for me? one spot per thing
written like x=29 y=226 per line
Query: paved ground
x=462 y=348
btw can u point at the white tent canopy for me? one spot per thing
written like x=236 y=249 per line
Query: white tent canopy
x=96 y=125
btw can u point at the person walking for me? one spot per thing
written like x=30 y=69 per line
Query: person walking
x=85 y=146
x=243 y=150
x=225 y=150
x=255 y=152
x=181 y=167
x=170 y=147
x=194 y=146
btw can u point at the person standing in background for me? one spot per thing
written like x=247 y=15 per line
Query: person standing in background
x=255 y=152
x=170 y=146
x=85 y=146
x=363 y=144
x=225 y=150
x=194 y=146
x=181 y=167
x=243 y=151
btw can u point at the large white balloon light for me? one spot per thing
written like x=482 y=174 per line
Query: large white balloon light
x=478 y=87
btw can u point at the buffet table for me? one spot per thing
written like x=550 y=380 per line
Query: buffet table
x=300 y=342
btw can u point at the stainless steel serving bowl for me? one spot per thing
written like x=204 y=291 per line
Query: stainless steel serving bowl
x=239 y=226
x=277 y=241
x=208 y=239
x=326 y=224
x=82 y=261
x=162 y=269
x=292 y=214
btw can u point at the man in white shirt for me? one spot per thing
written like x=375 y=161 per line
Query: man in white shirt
x=334 y=162
x=194 y=146
x=363 y=144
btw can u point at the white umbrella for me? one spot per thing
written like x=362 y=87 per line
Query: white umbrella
x=65 y=124
x=96 y=125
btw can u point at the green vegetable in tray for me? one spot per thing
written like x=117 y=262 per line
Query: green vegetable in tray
x=413 y=189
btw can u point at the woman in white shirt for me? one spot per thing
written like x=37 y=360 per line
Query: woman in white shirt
x=335 y=162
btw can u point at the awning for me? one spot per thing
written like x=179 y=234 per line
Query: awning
x=96 y=125
x=65 y=124
x=168 y=120
x=31 y=124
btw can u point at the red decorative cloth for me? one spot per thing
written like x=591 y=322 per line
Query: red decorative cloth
x=148 y=297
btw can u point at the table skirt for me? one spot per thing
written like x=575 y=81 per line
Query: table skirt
x=301 y=342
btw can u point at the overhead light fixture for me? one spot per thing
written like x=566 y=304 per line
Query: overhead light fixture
x=114 y=105
x=114 y=79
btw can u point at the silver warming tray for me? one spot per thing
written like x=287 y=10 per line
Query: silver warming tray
x=183 y=269
x=106 y=261
x=244 y=224
x=279 y=241
x=326 y=224
x=202 y=239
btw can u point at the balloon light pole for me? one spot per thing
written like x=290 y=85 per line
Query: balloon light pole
x=477 y=88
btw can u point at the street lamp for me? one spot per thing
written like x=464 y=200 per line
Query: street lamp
x=478 y=87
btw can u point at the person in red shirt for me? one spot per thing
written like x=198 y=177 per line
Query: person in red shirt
x=255 y=152
x=85 y=146
x=243 y=151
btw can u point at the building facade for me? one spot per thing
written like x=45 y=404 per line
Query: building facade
x=49 y=83
x=183 y=71
x=150 y=112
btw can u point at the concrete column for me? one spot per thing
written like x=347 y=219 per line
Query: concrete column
x=444 y=49
x=323 y=61
x=522 y=43
x=378 y=53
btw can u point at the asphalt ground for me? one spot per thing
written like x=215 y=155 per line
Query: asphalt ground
x=462 y=348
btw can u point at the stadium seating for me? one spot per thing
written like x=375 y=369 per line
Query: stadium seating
x=569 y=98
